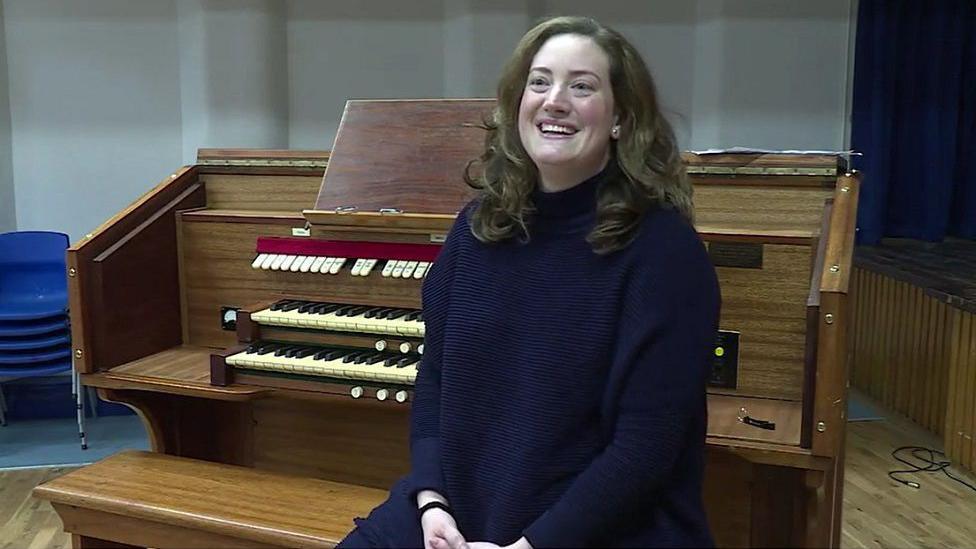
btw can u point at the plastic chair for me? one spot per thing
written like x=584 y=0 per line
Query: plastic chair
x=33 y=284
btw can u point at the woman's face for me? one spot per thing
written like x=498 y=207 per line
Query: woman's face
x=567 y=111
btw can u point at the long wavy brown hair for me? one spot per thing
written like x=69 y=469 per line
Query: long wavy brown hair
x=649 y=167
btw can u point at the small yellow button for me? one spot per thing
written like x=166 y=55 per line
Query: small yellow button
x=719 y=351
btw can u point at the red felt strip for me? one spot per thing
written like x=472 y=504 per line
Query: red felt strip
x=347 y=249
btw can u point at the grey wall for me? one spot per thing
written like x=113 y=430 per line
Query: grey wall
x=95 y=107
x=107 y=97
x=8 y=221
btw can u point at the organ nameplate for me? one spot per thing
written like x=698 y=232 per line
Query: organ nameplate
x=742 y=255
x=725 y=360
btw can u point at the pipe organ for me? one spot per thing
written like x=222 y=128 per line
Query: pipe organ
x=262 y=308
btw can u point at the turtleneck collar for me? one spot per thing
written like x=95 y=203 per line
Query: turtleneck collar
x=571 y=202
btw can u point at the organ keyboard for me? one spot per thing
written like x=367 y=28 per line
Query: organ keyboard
x=262 y=308
x=343 y=318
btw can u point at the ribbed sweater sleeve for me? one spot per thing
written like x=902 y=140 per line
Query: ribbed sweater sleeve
x=667 y=331
x=425 y=454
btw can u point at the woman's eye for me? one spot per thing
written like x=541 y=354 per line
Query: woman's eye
x=584 y=86
x=537 y=82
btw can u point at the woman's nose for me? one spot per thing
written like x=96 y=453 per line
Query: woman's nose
x=555 y=101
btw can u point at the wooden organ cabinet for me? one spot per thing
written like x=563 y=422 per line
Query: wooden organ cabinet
x=255 y=313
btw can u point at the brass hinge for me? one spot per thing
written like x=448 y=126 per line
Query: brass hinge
x=755 y=170
x=263 y=163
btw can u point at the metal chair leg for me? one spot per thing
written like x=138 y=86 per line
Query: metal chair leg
x=79 y=406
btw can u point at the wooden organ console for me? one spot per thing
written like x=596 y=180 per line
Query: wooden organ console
x=254 y=312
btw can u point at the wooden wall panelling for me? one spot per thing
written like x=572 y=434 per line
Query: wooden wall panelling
x=286 y=193
x=217 y=272
x=81 y=299
x=768 y=307
x=134 y=288
x=199 y=428
x=339 y=439
x=797 y=207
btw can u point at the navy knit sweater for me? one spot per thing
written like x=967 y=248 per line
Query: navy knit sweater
x=562 y=393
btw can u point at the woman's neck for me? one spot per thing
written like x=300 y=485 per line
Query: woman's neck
x=554 y=180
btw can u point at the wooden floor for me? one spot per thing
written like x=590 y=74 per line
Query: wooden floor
x=878 y=512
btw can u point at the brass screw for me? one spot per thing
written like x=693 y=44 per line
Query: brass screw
x=72 y=272
x=829 y=318
x=78 y=353
x=834 y=269
x=821 y=426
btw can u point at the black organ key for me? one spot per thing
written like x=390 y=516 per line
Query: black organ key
x=358 y=311
x=292 y=306
x=307 y=307
x=344 y=310
x=280 y=351
x=406 y=361
x=413 y=316
x=397 y=314
x=302 y=353
x=277 y=306
x=351 y=356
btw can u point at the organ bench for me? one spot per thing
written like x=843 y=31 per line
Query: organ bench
x=255 y=312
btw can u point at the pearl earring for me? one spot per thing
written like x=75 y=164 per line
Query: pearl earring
x=615 y=132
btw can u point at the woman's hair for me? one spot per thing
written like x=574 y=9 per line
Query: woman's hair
x=649 y=166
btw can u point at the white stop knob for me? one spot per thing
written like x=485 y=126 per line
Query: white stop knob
x=382 y=394
x=356 y=392
x=380 y=345
x=401 y=396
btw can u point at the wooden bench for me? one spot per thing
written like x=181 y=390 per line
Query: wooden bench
x=146 y=499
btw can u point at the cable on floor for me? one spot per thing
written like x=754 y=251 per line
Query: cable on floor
x=928 y=464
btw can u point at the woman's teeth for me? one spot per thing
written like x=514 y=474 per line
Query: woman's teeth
x=553 y=128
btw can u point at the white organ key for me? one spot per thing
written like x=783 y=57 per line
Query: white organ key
x=297 y=263
x=316 y=264
x=337 y=265
x=367 y=267
x=398 y=268
x=408 y=270
x=388 y=268
x=307 y=264
x=327 y=265
x=286 y=264
x=421 y=269
x=278 y=260
x=268 y=260
x=256 y=264
x=358 y=266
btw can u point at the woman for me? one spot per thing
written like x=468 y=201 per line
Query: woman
x=569 y=320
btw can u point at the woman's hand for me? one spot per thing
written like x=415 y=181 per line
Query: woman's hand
x=441 y=531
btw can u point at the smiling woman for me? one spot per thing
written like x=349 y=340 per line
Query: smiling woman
x=570 y=317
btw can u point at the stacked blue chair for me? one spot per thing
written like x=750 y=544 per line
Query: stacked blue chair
x=34 y=334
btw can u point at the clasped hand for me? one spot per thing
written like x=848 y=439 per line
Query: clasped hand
x=441 y=532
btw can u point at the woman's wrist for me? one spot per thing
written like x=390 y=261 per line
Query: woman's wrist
x=426 y=496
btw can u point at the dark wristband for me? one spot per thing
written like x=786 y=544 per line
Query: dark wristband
x=434 y=505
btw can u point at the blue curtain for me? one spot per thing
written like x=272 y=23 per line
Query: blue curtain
x=914 y=118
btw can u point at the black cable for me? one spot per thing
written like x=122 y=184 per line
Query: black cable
x=929 y=465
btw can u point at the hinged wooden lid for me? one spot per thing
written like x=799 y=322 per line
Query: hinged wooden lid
x=764 y=164
x=403 y=157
